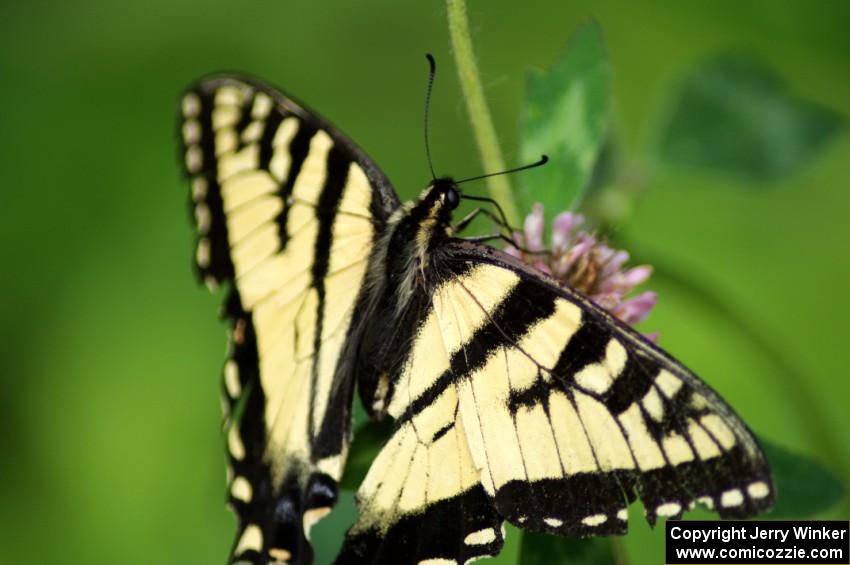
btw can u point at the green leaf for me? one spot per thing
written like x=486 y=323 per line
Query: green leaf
x=803 y=486
x=735 y=115
x=544 y=549
x=566 y=115
x=369 y=438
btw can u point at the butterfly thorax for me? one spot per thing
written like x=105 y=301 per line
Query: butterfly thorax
x=404 y=271
x=417 y=231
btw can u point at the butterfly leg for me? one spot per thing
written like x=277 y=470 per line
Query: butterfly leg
x=468 y=219
x=506 y=239
x=502 y=220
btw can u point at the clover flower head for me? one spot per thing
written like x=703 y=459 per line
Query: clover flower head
x=579 y=259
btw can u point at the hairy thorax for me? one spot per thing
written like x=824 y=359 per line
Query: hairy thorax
x=401 y=271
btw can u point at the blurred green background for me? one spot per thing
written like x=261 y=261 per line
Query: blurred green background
x=112 y=353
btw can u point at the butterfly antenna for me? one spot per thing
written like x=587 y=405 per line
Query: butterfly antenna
x=431 y=73
x=543 y=160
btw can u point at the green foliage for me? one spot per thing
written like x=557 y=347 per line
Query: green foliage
x=565 y=116
x=369 y=438
x=804 y=487
x=542 y=549
x=735 y=115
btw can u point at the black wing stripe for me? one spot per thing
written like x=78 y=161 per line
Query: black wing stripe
x=585 y=347
x=633 y=382
x=299 y=148
x=504 y=326
x=267 y=140
x=337 y=172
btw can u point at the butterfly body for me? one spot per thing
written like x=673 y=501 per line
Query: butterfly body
x=512 y=397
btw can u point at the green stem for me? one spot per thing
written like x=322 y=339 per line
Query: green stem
x=476 y=106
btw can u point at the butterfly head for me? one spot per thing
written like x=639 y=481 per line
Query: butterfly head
x=446 y=192
x=437 y=202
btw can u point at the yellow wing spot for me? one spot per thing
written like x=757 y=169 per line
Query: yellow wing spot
x=234 y=443
x=193 y=159
x=191 y=132
x=594 y=378
x=677 y=449
x=311 y=179
x=231 y=379
x=733 y=497
x=438 y=561
x=698 y=401
x=279 y=165
x=706 y=501
x=615 y=357
x=554 y=522
x=191 y=105
x=668 y=509
x=594 y=520
x=253 y=132
x=240 y=488
x=199 y=189
x=668 y=383
x=481 y=537
x=279 y=554
x=262 y=106
x=653 y=405
x=252 y=539
x=202 y=255
x=718 y=428
x=230 y=96
x=758 y=490
x=623 y=514
x=202 y=217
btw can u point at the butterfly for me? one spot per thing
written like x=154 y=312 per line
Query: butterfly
x=513 y=398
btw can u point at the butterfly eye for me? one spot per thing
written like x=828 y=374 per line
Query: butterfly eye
x=452 y=198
